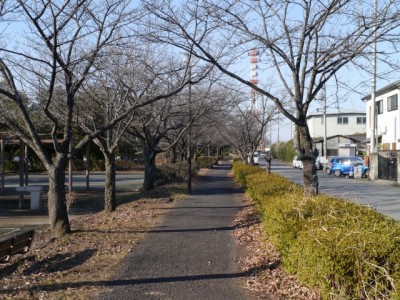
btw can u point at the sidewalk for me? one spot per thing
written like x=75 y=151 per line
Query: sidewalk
x=192 y=254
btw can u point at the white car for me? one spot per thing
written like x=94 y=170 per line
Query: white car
x=255 y=158
x=298 y=164
x=319 y=164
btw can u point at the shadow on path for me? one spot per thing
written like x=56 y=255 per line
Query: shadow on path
x=140 y=281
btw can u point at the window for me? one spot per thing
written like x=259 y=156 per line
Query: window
x=361 y=120
x=343 y=120
x=392 y=102
x=379 y=107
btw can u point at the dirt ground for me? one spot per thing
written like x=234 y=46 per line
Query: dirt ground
x=78 y=265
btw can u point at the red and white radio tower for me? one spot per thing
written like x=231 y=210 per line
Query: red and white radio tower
x=253 y=74
x=253 y=79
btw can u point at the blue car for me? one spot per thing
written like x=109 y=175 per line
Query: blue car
x=345 y=165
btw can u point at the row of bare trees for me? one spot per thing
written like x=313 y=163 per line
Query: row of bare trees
x=115 y=68
x=80 y=71
x=303 y=44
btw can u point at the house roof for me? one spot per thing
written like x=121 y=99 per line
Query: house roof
x=354 y=138
x=338 y=112
x=391 y=87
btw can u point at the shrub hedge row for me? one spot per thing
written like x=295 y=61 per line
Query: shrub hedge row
x=241 y=171
x=174 y=172
x=207 y=161
x=346 y=250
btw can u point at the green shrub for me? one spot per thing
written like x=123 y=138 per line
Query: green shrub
x=124 y=165
x=283 y=150
x=207 y=161
x=261 y=184
x=174 y=172
x=346 y=250
x=241 y=171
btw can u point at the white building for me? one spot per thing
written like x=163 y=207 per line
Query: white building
x=387 y=117
x=344 y=131
x=337 y=123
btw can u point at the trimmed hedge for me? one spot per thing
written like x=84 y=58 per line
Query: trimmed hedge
x=346 y=250
x=207 y=161
x=174 y=172
x=241 y=171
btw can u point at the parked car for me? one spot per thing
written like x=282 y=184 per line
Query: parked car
x=331 y=161
x=318 y=163
x=255 y=158
x=345 y=165
x=297 y=163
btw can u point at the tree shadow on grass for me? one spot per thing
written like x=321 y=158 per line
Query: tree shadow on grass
x=56 y=263
x=59 y=262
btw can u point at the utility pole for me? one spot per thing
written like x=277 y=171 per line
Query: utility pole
x=278 y=127
x=2 y=164
x=373 y=96
x=189 y=142
x=325 y=127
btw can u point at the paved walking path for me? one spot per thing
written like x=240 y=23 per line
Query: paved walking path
x=191 y=255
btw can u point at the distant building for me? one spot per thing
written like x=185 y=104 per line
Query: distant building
x=387 y=118
x=337 y=123
x=341 y=145
x=344 y=132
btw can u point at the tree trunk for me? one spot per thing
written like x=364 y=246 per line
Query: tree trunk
x=173 y=155
x=110 y=202
x=149 y=169
x=58 y=213
x=310 y=178
x=182 y=156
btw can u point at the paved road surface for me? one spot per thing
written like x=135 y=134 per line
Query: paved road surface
x=96 y=180
x=191 y=255
x=382 y=195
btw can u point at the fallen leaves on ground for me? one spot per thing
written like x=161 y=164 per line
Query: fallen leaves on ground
x=78 y=265
x=260 y=259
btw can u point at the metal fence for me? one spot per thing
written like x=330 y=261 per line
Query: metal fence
x=387 y=165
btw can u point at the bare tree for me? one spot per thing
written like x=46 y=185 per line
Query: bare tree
x=53 y=60
x=131 y=82
x=218 y=98
x=302 y=44
x=165 y=123
x=243 y=126
x=66 y=39
x=152 y=127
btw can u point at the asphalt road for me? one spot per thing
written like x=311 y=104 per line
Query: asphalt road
x=96 y=180
x=382 y=195
x=191 y=255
